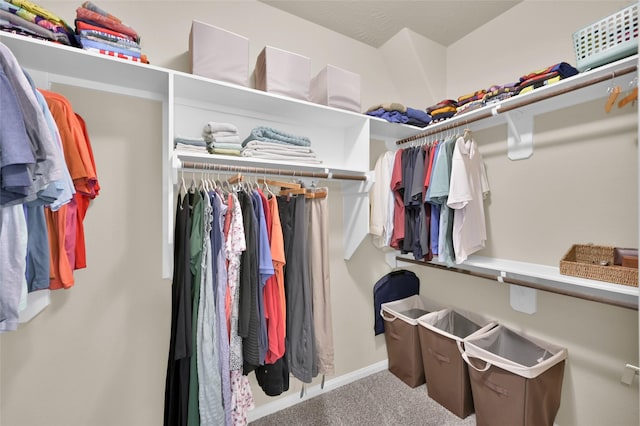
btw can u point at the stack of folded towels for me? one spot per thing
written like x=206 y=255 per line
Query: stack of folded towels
x=185 y=143
x=100 y=31
x=26 y=18
x=222 y=138
x=273 y=144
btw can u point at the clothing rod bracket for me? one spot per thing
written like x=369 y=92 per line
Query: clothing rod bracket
x=519 y=135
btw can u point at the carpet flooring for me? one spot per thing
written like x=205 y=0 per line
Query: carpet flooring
x=378 y=399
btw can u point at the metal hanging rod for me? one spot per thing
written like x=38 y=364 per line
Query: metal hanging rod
x=270 y=171
x=455 y=121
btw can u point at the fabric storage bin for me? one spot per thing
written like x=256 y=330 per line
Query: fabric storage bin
x=441 y=335
x=283 y=73
x=218 y=54
x=337 y=88
x=515 y=380
x=401 y=337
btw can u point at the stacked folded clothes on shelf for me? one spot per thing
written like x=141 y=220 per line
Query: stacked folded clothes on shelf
x=444 y=109
x=398 y=113
x=100 y=31
x=274 y=144
x=26 y=18
x=185 y=143
x=497 y=93
x=545 y=76
x=222 y=138
x=470 y=101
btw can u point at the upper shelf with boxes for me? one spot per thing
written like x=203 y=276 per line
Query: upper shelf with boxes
x=287 y=127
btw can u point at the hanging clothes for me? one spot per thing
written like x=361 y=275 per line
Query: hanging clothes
x=180 y=346
x=469 y=187
x=319 y=276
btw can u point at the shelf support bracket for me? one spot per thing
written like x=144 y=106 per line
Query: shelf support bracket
x=519 y=135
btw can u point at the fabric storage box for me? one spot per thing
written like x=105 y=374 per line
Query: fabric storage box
x=337 y=88
x=597 y=263
x=283 y=73
x=218 y=54
x=515 y=380
x=401 y=337
x=441 y=334
x=607 y=40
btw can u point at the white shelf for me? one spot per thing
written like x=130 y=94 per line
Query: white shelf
x=542 y=277
x=77 y=67
x=519 y=112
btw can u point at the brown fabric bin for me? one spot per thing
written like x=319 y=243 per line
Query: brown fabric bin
x=446 y=373
x=402 y=340
x=515 y=380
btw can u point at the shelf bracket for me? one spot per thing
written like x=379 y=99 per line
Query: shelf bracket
x=519 y=135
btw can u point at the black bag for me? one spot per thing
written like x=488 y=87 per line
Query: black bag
x=395 y=285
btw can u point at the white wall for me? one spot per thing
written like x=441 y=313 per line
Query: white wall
x=97 y=355
x=580 y=186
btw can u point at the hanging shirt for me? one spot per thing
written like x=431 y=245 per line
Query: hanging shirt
x=468 y=188
x=381 y=198
x=397 y=186
x=265 y=266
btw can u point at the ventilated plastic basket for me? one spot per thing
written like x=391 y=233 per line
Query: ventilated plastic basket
x=607 y=40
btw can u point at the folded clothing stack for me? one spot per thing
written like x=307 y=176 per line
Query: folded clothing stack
x=222 y=138
x=499 y=93
x=100 y=31
x=545 y=76
x=444 y=109
x=470 y=101
x=185 y=143
x=398 y=113
x=26 y=18
x=274 y=144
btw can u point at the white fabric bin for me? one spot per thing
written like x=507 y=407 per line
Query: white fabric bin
x=284 y=73
x=336 y=87
x=218 y=54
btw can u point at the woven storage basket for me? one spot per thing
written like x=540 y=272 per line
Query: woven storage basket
x=612 y=38
x=583 y=260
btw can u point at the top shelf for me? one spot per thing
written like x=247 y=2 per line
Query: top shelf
x=580 y=88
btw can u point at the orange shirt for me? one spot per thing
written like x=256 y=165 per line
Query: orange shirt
x=277 y=309
x=66 y=229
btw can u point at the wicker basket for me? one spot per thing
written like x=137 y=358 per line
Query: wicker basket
x=584 y=261
x=612 y=38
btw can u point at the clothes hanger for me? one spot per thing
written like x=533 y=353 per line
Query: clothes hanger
x=613 y=95
x=631 y=97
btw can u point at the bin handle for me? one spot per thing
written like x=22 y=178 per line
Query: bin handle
x=387 y=319
x=482 y=370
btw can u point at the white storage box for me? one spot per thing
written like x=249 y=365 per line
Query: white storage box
x=218 y=54
x=283 y=73
x=336 y=88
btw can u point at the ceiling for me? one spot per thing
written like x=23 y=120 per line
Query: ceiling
x=375 y=22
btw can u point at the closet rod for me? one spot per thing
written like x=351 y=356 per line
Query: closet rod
x=267 y=171
x=523 y=283
x=455 y=121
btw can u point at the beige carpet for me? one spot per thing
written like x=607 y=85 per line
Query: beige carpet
x=379 y=399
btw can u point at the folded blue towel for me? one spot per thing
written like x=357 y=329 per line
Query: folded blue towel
x=268 y=134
